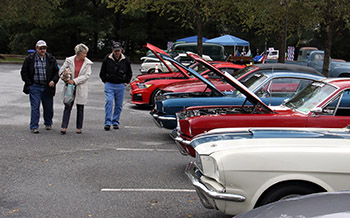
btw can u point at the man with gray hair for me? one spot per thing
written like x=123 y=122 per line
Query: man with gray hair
x=115 y=73
x=40 y=75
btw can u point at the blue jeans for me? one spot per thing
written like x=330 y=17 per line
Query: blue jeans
x=40 y=93
x=113 y=92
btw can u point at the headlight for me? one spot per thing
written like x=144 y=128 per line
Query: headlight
x=208 y=166
x=143 y=85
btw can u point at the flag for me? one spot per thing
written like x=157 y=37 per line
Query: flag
x=249 y=53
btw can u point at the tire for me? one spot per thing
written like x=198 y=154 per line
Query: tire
x=344 y=75
x=150 y=71
x=154 y=95
x=284 y=191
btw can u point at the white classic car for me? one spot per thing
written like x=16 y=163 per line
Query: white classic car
x=239 y=169
x=151 y=63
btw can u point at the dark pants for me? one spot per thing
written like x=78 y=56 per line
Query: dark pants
x=66 y=115
x=40 y=93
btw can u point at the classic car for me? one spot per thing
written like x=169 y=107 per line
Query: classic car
x=273 y=83
x=144 y=93
x=320 y=205
x=245 y=168
x=324 y=103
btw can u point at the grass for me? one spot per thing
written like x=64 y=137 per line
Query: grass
x=12 y=60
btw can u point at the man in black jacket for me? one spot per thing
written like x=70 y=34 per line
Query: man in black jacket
x=40 y=75
x=115 y=73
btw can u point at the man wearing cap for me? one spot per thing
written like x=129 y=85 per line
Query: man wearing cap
x=115 y=74
x=40 y=75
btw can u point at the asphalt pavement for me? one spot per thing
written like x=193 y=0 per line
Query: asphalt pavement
x=135 y=171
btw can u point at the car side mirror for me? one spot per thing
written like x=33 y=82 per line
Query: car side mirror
x=317 y=110
x=285 y=101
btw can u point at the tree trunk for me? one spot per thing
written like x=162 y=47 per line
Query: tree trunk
x=327 y=48
x=199 y=35
x=283 y=38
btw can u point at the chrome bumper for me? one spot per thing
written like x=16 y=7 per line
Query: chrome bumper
x=174 y=134
x=206 y=195
x=158 y=119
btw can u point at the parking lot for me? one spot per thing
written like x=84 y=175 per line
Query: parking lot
x=135 y=171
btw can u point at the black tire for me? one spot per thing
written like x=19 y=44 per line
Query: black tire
x=150 y=71
x=285 y=191
x=155 y=93
x=344 y=75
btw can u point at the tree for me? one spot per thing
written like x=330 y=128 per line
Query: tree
x=195 y=14
x=329 y=14
x=271 y=17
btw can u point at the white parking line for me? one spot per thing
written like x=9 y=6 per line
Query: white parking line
x=145 y=190
x=145 y=149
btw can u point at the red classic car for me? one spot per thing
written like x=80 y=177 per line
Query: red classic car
x=144 y=93
x=324 y=103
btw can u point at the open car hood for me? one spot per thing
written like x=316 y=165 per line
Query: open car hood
x=157 y=51
x=210 y=85
x=251 y=97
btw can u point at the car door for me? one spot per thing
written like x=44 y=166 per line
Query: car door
x=334 y=114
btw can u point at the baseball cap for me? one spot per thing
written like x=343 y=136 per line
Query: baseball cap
x=41 y=43
x=117 y=46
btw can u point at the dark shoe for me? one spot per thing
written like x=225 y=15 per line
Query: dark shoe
x=35 y=131
x=107 y=128
x=63 y=131
x=48 y=127
x=79 y=131
x=115 y=127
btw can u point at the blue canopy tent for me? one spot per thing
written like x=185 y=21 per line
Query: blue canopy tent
x=228 y=40
x=191 y=39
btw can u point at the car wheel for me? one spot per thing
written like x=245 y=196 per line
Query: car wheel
x=154 y=95
x=344 y=75
x=285 y=191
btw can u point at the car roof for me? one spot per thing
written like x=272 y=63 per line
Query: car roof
x=286 y=73
x=339 y=82
x=290 y=67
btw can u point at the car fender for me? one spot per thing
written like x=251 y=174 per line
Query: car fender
x=289 y=177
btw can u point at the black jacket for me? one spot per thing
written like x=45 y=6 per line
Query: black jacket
x=27 y=72
x=115 y=72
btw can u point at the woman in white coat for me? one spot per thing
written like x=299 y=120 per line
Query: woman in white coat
x=80 y=67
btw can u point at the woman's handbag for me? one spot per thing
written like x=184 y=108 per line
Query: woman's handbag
x=69 y=94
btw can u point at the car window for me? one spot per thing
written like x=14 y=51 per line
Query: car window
x=253 y=82
x=213 y=75
x=310 y=97
x=340 y=106
x=282 y=87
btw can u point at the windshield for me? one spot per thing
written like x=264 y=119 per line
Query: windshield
x=253 y=82
x=310 y=97
x=243 y=71
x=198 y=67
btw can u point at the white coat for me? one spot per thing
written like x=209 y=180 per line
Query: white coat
x=81 y=82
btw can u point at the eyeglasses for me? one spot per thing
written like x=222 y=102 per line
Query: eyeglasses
x=42 y=48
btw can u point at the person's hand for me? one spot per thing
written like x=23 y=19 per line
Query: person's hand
x=51 y=84
x=71 y=82
x=125 y=84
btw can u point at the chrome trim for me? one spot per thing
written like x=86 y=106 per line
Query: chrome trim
x=182 y=141
x=174 y=133
x=194 y=175
x=181 y=149
x=166 y=118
